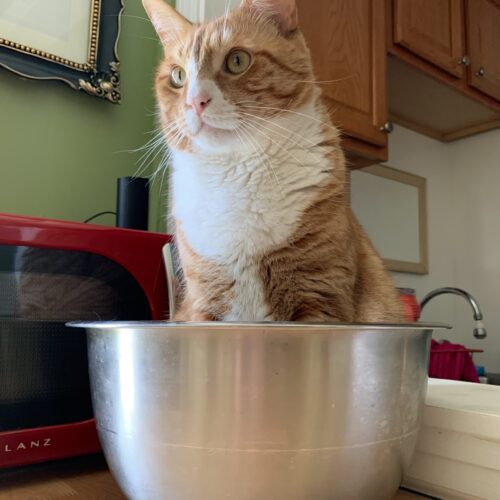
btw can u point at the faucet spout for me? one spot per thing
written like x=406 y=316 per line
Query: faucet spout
x=479 y=330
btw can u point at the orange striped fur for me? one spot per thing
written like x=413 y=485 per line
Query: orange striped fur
x=263 y=225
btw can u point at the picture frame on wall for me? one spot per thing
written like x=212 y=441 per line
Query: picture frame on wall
x=73 y=41
x=391 y=205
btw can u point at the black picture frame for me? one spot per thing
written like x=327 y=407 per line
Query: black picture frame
x=99 y=77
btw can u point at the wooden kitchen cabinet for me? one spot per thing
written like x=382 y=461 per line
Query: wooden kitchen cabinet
x=444 y=66
x=433 y=30
x=347 y=42
x=441 y=77
x=483 y=41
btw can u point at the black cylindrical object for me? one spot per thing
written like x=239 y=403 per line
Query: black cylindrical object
x=132 y=203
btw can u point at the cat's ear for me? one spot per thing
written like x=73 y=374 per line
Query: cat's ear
x=168 y=23
x=282 y=12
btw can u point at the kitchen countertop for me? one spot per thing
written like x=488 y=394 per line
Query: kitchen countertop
x=85 y=478
x=459 y=442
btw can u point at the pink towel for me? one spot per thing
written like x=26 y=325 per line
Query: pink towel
x=452 y=362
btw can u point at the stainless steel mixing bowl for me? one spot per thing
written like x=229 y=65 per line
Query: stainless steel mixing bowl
x=216 y=411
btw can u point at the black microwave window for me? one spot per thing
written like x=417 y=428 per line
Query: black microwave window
x=47 y=284
x=43 y=364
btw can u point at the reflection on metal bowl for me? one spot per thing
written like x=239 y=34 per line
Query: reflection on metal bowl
x=268 y=411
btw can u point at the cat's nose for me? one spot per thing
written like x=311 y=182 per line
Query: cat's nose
x=200 y=102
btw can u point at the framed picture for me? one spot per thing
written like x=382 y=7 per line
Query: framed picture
x=391 y=205
x=73 y=41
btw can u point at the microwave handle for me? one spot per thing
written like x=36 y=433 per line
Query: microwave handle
x=170 y=275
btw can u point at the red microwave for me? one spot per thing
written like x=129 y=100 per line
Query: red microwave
x=52 y=272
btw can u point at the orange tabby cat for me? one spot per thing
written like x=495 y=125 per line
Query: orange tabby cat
x=263 y=226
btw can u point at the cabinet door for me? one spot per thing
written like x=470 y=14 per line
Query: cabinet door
x=483 y=40
x=433 y=30
x=347 y=42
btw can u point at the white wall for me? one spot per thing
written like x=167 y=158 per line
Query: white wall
x=215 y=8
x=463 y=189
x=198 y=10
x=428 y=158
x=475 y=166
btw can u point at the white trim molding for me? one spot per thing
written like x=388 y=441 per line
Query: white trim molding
x=194 y=10
x=201 y=10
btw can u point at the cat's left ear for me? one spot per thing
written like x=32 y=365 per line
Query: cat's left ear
x=168 y=23
x=283 y=12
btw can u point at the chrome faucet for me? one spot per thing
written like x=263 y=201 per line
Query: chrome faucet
x=479 y=330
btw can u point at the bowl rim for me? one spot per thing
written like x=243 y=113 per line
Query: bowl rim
x=242 y=325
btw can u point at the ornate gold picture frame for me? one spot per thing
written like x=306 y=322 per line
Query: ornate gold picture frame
x=74 y=41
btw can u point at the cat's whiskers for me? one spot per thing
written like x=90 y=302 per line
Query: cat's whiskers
x=155 y=113
x=256 y=147
x=294 y=134
x=139 y=37
x=174 y=133
x=163 y=166
x=291 y=243
x=170 y=129
x=154 y=147
x=160 y=134
x=259 y=150
x=276 y=143
x=179 y=136
x=242 y=134
x=262 y=154
x=239 y=136
x=147 y=160
x=149 y=149
x=273 y=142
x=161 y=149
x=303 y=115
x=145 y=19
x=163 y=163
x=257 y=129
x=141 y=148
x=176 y=127
x=316 y=82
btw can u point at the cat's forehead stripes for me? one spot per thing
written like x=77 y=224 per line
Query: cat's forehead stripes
x=199 y=43
x=204 y=43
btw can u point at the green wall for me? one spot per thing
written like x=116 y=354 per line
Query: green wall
x=62 y=150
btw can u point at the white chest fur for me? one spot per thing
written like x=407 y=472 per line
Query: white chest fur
x=235 y=206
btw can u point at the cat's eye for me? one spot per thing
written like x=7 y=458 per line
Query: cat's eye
x=238 y=61
x=178 y=77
